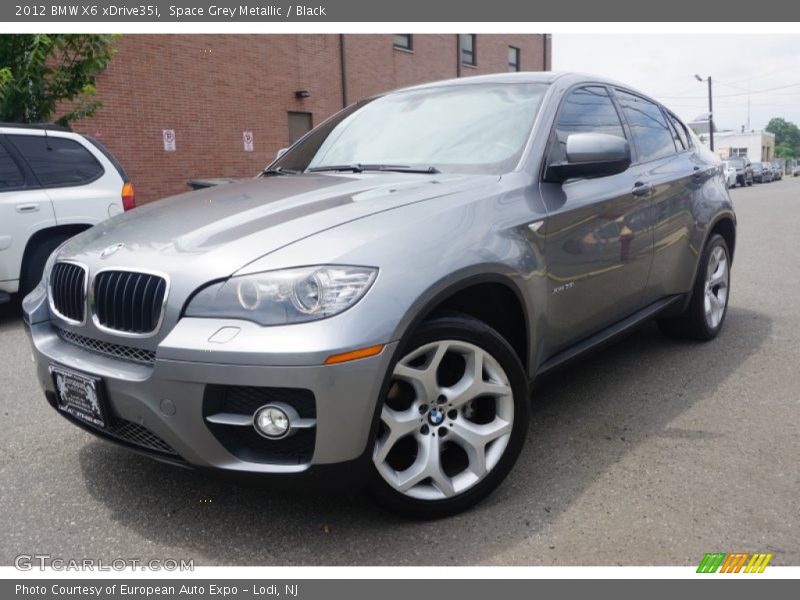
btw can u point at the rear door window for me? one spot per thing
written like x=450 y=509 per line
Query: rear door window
x=10 y=175
x=57 y=161
x=651 y=133
x=681 y=130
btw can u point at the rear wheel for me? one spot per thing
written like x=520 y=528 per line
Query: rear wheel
x=453 y=421
x=706 y=312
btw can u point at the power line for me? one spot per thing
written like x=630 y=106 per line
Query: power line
x=783 y=87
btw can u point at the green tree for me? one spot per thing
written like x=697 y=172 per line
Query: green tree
x=41 y=74
x=787 y=137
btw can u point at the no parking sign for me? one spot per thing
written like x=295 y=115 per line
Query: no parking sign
x=247 y=140
x=169 y=139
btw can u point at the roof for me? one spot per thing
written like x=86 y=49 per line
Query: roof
x=545 y=77
x=49 y=126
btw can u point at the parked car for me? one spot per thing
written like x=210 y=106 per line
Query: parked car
x=777 y=171
x=769 y=172
x=730 y=173
x=761 y=172
x=744 y=170
x=377 y=304
x=53 y=184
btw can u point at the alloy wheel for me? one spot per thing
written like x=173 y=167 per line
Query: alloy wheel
x=446 y=421
x=716 y=287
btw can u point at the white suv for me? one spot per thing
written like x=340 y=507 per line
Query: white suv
x=53 y=184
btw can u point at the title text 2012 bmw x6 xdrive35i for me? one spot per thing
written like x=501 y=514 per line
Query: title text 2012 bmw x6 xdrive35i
x=383 y=295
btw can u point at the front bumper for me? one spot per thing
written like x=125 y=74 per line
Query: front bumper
x=166 y=399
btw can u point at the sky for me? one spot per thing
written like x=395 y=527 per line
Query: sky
x=664 y=66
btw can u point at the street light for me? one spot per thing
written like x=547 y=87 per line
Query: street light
x=710 y=111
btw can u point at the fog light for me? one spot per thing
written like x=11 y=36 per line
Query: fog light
x=271 y=422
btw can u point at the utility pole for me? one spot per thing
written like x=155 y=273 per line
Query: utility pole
x=710 y=111
x=710 y=116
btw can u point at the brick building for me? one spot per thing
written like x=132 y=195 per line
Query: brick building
x=210 y=89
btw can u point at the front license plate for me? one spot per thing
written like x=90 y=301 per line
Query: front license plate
x=80 y=395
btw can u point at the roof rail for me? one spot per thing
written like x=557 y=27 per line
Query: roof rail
x=51 y=126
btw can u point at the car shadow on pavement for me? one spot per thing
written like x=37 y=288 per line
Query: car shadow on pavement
x=585 y=419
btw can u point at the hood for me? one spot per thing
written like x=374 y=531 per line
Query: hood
x=221 y=229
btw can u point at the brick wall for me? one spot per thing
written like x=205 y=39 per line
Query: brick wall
x=212 y=88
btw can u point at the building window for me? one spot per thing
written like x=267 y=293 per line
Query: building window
x=469 y=55
x=738 y=151
x=403 y=41
x=299 y=125
x=513 y=59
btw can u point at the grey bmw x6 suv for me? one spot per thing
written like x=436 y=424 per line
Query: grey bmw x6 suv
x=383 y=295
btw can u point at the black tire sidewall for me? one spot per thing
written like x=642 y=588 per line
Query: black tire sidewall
x=33 y=266
x=470 y=330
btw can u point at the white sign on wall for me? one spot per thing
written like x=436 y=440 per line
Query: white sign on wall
x=169 y=139
x=247 y=140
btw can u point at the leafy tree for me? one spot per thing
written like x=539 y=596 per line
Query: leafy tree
x=785 y=151
x=787 y=137
x=41 y=74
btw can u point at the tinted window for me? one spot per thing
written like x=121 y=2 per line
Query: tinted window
x=586 y=110
x=651 y=134
x=57 y=161
x=402 y=41
x=10 y=175
x=513 y=58
x=468 y=56
x=683 y=139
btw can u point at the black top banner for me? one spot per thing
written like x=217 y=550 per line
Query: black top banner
x=439 y=11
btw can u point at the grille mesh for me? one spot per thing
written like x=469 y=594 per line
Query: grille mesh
x=139 y=435
x=127 y=301
x=137 y=355
x=67 y=284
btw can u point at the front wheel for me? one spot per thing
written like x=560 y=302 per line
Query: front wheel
x=453 y=420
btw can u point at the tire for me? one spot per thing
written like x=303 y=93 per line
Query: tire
x=33 y=265
x=704 y=316
x=469 y=445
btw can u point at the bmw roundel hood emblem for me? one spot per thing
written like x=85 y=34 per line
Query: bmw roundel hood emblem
x=111 y=250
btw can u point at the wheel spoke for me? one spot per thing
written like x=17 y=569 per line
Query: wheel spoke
x=473 y=438
x=434 y=467
x=472 y=384
x=400 y=424
x=424 y=379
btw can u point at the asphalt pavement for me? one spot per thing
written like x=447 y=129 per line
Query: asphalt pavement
x=652 y=452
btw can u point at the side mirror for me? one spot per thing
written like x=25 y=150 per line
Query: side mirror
x=280 y=153
x=591 y=155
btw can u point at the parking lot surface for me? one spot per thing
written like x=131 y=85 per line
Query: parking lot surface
x=652 y=452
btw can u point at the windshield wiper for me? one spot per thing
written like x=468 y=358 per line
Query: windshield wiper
x=359 y=168
x=279 y=171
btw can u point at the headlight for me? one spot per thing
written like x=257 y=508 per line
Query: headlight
x=283 y=297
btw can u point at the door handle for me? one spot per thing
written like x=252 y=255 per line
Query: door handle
x=640 y=188
x=26 y=208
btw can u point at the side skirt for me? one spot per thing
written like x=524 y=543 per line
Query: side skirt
x=607 y=335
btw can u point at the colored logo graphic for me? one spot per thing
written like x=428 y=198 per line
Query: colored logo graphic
x=738 y=562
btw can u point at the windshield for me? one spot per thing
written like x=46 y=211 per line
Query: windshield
x=462 y=128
